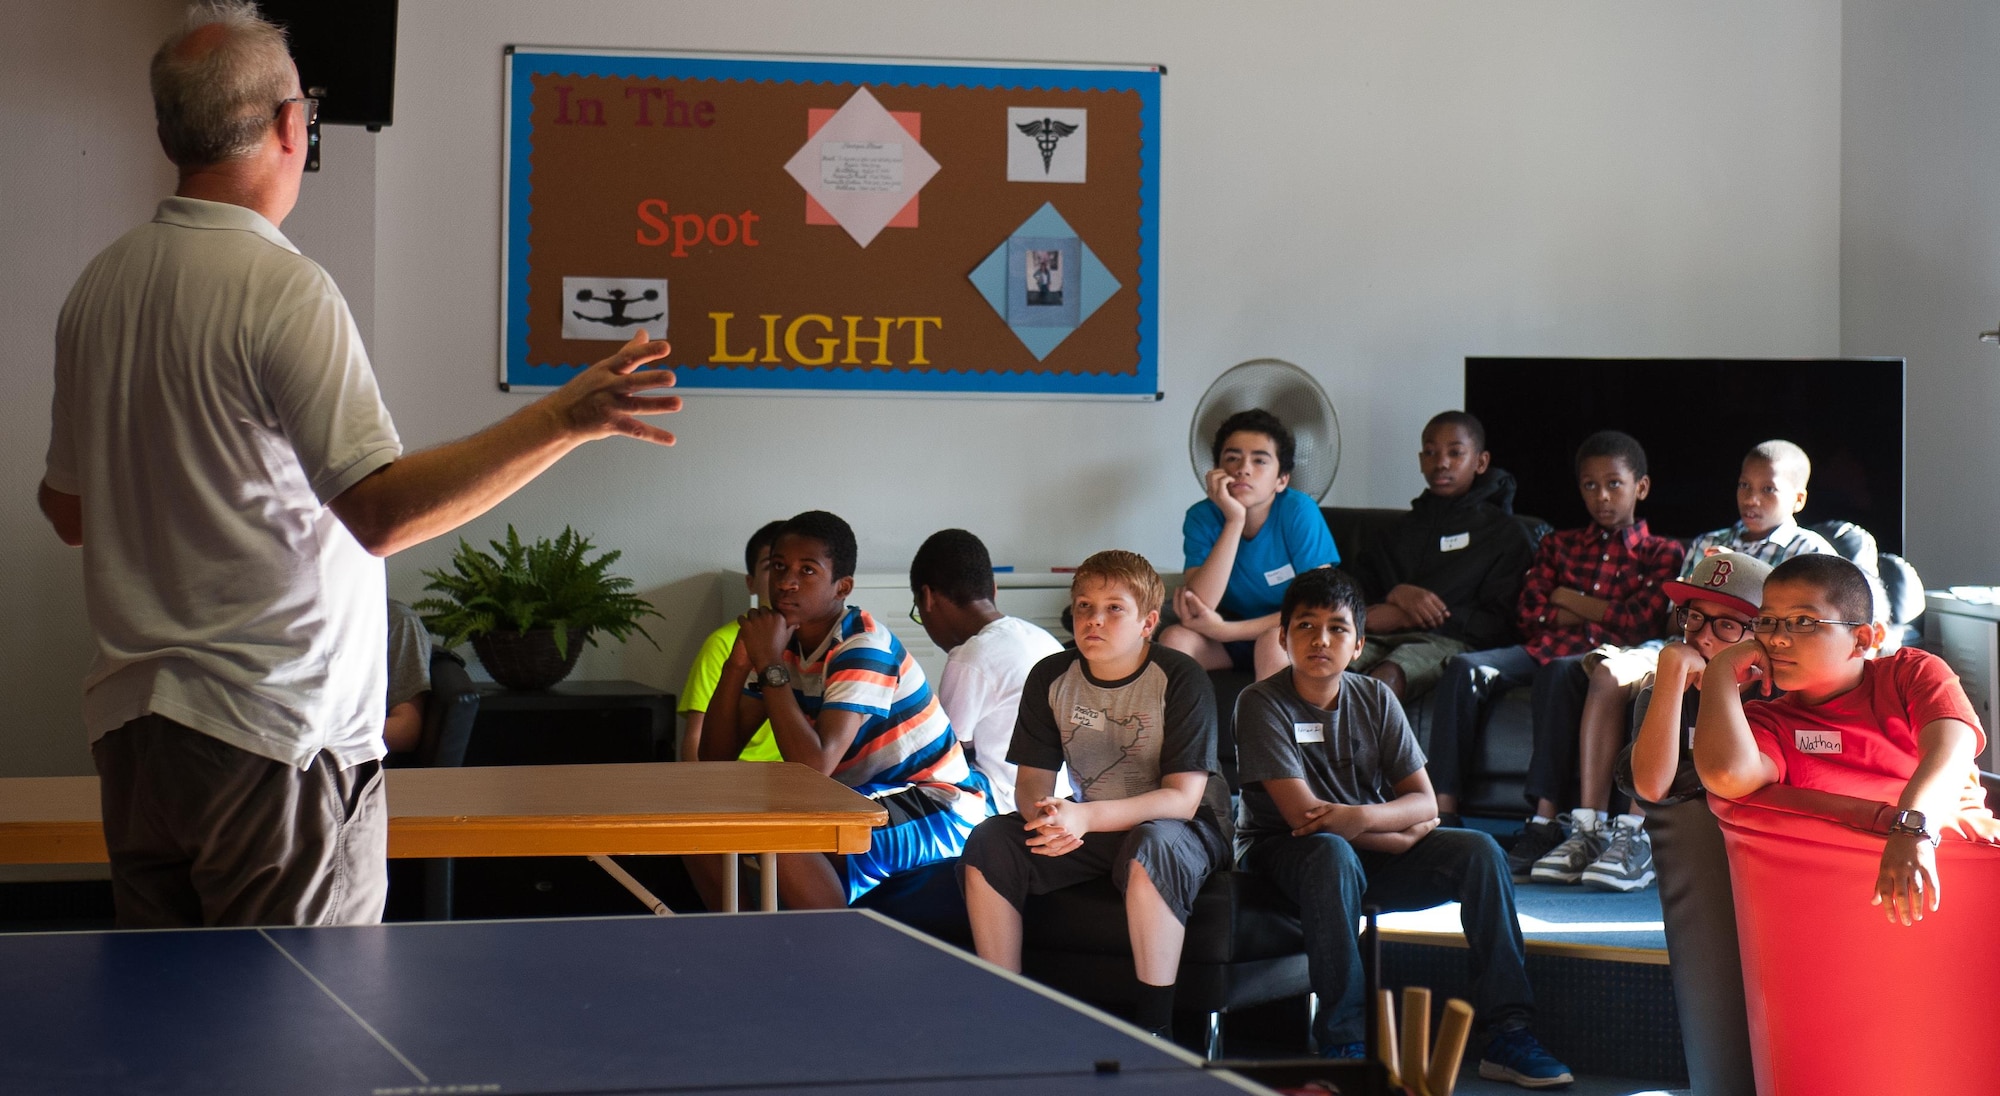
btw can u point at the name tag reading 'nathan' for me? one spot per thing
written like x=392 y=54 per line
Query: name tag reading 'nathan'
x=1309 y=732
x=1816 y=741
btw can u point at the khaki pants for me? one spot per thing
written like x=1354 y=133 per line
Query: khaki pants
x=1420 y=655
x=203 y=833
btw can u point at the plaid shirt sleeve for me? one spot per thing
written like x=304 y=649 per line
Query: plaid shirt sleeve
x=1636 y=616
x=1538 y=585
x=1625 y=571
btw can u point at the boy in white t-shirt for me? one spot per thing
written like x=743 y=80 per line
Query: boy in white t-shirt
x=990 y=653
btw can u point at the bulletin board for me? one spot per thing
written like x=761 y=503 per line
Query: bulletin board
x=802 y=223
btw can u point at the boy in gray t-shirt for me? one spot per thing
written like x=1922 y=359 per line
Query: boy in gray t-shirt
x=1135 y=724
x=1339 y=814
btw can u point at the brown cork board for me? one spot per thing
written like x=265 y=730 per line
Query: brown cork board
x=949 y=228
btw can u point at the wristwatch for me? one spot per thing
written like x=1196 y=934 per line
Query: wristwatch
x=1913 y=823
x=777 y=677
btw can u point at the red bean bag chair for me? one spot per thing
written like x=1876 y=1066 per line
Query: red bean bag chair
x=1840 y=1000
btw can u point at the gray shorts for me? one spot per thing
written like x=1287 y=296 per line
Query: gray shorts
x=204 y=833
x=1177 y=857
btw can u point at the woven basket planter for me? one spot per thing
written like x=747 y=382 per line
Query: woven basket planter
x=527 y=661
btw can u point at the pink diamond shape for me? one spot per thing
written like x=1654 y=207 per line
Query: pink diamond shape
x=862 y=167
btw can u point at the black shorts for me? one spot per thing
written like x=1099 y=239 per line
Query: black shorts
x=1177 y=857
x=1242 y=654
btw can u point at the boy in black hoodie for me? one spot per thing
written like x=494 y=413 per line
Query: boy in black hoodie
x=1444 y=579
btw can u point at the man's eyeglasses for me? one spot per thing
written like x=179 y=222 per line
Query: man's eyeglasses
x=916 y=614
x=312 y=126
x=312 y=107
x=1726 y=629
x=1798 y=625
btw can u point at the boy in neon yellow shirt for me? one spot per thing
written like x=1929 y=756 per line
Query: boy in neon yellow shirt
x=707 y=668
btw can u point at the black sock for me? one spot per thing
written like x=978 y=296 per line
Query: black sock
x=1154 y=1009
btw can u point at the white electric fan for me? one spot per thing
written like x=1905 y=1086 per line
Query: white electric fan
x=1286 y=391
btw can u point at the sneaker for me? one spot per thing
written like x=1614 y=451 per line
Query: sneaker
x=1346 y=1052
x=1536 y=839
x=1565 y=863
x=1627 y=861
x=1516 y=1056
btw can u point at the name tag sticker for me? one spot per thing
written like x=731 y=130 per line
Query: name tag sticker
x=1816 y=741
x=1454 y=542
x=1282 y=574
x=1087 y=718
x=1309 y=732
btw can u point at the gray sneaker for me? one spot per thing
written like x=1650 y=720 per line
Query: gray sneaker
x=1627 y=862
x=1535 y=841
x=1565 y=863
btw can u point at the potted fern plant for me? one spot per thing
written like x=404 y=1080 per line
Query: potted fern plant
x=528 y=609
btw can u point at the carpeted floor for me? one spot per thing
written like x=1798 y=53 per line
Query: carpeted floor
x=1560 y=914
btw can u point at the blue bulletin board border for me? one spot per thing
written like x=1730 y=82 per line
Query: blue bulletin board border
x=523 y=63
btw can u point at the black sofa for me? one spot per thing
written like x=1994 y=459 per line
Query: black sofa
x=1496 y=784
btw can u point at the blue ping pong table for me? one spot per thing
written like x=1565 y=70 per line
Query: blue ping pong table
x=748 y=1003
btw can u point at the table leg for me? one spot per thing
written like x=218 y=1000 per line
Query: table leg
x=729 y=869
x=767 y=865
x=637 y=888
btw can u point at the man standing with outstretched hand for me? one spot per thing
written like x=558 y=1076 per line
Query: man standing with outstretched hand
x=219 y=449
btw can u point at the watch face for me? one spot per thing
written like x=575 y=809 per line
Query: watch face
x=776 y=676
x=1914 y=824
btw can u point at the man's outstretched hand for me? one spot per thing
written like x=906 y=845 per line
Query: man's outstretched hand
x=604 y=399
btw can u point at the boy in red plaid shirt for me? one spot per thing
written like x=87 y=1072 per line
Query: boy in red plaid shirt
x=1589 y=587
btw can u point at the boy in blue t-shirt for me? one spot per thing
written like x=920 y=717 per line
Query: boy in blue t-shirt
x=1244 y=543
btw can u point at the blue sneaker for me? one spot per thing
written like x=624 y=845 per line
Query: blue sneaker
x=1516 y=1056
x=1346 y=1051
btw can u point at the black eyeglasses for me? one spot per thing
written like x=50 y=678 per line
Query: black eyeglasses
x=1726 y=629
x=916 y=614
x=1798 y=625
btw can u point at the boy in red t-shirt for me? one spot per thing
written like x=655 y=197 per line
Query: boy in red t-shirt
x=1897 y=729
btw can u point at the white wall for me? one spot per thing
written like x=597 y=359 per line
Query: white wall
x=1920 y=256
x=1373 y=190
x=78 y=166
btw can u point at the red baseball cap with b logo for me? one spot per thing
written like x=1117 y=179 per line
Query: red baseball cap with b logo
x=1726 y=578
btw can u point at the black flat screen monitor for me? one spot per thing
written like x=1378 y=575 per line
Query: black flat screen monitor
x=1697 y=417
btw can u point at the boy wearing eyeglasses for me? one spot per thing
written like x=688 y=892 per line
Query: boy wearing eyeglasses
x=1897 y=729
x=1714 y=607
x=987 y=653
x=1770 y=492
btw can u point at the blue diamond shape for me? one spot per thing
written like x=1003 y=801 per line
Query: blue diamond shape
x=1097 y=282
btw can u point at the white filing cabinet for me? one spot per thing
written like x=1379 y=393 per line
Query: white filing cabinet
x=1966 y=632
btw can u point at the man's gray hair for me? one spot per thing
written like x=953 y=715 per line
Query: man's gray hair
x=213 y=102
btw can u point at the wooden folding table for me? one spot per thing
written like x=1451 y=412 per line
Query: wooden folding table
x=599 y=811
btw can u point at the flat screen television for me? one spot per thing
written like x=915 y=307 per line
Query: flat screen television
x=1697 y=417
